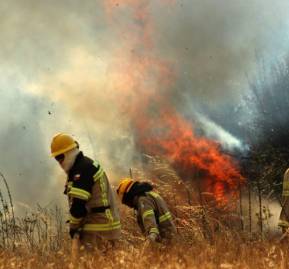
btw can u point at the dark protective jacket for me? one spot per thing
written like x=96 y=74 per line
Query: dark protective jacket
x=153 y=215
x=284 y=216
x=92 y=203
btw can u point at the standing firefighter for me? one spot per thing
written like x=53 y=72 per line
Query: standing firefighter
x=153 y=216
x=284 y=216
x=94 y=217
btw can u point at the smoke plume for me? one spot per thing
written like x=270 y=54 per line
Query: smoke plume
x=95 y=69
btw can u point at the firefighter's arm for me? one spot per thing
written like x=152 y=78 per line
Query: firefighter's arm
x=80 y=193
x=78 y=210
x=146 y=210
x=285 y=192
x=77 y=213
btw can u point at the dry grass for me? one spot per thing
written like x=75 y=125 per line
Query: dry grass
x=223 y=253
x=207 y=237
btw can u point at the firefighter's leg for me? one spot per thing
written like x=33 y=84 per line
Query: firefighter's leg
x=91 y=243
x=94 y=243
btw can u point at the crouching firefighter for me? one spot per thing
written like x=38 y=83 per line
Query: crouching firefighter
x=284 y=216
x=94 y=216
x=153 y=216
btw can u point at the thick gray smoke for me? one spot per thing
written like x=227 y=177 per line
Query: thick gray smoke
x=56 y=62
x=215 y=44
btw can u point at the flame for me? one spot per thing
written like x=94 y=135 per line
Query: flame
x=170 y=135
x=142 y=83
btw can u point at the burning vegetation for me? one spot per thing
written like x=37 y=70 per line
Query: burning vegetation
x=159 y=129
x=220 y=199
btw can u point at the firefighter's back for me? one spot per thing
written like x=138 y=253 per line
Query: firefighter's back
x=163 y=216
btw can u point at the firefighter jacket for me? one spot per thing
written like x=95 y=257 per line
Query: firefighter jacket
x=92 y=203
x=284 y=216
x=153 y=215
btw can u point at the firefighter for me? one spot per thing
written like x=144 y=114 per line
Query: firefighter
x=284 y=216
x=153 y=216
x=94 y=216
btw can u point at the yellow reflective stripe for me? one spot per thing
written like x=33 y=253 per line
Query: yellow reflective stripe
x=98 y=176
x=154 y=194
x=69 y=186
x=147 y=213
x=74 y=220
x=99 y=173
x=165 y=217
x=285 y=193
x=283 y=223
x=79 y=193
x=103 y=188
x=286 y=183
x=103 y=191
x=102 y=227
x=109 y=215
x=154 y=230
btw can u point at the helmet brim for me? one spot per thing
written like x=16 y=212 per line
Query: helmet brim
x=62 y=151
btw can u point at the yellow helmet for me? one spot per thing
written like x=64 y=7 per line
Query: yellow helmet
x=62 y=143
x=124 y=187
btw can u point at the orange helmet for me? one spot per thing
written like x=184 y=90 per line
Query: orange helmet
x=62 y=143
x=124 y=187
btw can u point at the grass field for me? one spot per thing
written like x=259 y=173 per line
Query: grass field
x=208 y=236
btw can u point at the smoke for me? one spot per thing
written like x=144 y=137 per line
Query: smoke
x=22 y=148
x=216 y=132
x=215 y=44
x=95 y=64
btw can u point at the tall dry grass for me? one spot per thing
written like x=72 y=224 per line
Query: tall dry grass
x=226 y=251
x=207 y=237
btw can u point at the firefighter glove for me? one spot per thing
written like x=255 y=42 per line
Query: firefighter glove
x=152 y=237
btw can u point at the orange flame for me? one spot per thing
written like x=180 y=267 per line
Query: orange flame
x=170 y=135
x=142 y=82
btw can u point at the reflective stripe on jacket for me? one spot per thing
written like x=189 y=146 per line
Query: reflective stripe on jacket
x=89 y=191
x=284 y=216
x=285 y=192
x=153 y=215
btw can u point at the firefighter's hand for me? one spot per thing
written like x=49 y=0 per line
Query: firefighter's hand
x=152 y=237
x=151 y=243
x=72 y=232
